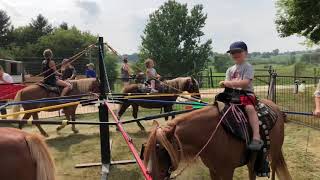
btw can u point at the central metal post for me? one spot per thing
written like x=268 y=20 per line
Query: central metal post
x=103 y=115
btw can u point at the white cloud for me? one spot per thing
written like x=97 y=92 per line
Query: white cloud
x=122 y=22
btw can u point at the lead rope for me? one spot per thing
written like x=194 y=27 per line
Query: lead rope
x=205 y=145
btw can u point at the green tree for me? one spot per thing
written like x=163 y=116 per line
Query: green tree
x=275 y=52
x=111 y=62
x=64 y=43
x=221 y=62
x=300 y=17
x=5 y=28
x=172 y=38
x=64 y=26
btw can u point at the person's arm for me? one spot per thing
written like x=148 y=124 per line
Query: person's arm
x=316 y=112
x=6 y=79
x=237 y=84
x=317 y=109
x=74 y=74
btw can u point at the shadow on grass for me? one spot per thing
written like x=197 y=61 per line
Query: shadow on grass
x=63 y=143
x=121 y=172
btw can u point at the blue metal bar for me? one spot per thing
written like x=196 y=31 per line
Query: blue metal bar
x=299 y=113
x=164 y=102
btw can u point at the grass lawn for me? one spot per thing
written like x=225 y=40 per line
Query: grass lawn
x=69 y=149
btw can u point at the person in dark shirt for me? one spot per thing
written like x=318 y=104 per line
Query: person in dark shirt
x=90 y=73
x=68 y=72
x=49 y=71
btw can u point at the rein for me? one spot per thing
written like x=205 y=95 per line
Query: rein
x=204 y=146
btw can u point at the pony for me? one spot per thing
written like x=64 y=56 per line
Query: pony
x=190 y=134
x=174 y=86
x=24 y=156
x=35 y=91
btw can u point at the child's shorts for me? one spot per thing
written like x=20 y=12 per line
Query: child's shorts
x=248 y=100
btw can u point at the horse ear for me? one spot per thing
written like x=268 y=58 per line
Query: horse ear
x=155 y=124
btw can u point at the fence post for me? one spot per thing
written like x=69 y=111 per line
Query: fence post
x=315 y=77
x=103 y=115
x=211 y=78
x=272 y=90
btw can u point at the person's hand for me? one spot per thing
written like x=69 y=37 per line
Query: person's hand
x=316 y=113
x=221 y=84
x=1 y=78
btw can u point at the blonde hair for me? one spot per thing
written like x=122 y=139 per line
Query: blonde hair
x=148 y=61
x=47 y=54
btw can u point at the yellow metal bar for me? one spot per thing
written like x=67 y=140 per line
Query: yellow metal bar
x=42 y=109
x=162 y=95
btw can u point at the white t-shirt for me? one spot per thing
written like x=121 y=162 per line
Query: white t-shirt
x=7 y=79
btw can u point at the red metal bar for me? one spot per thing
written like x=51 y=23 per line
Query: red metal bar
x=130 y=144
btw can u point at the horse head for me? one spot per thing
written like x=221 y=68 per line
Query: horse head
x=192 y=86
x=160 y=157
x=95 y=86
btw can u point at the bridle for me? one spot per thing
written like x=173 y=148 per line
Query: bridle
x=174 y=155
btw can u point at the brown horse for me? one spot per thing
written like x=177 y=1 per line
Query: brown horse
x=184 y=137
x=32 y=92
x=24 y=156
x=177 y=85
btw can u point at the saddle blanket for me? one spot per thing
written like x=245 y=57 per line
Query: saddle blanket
x=243 y=131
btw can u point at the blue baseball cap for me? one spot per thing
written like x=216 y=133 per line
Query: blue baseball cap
x=238 y=45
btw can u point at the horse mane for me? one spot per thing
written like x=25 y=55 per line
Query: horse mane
x=83 y=85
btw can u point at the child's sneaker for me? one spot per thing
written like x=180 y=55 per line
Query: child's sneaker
x=255 y=145
x=154 y=91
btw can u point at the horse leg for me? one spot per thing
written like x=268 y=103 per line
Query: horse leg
x=25 y=117
x=213 y=174
x=252 y=175
x=122 y=109
x=67 y=117
x=170 y=110
x=227 y=174
x=166 y=109
x=73 y=127
x=135 y=109
x=36 y=117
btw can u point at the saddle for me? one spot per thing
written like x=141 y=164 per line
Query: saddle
x=241 y=129
x=50 y=88
x=145 y=88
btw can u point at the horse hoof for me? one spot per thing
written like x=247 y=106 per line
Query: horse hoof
x=59 y=128
x=45 y=135
x=76 y=131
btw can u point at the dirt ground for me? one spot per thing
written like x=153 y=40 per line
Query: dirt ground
x=70 y=149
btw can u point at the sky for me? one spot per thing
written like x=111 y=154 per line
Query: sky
x=121 y=22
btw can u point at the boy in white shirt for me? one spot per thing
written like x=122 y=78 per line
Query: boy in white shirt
x=5 y=78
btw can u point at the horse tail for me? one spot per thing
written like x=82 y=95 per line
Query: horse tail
x=45 y=169
x=16 y=108
x=282 y=169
